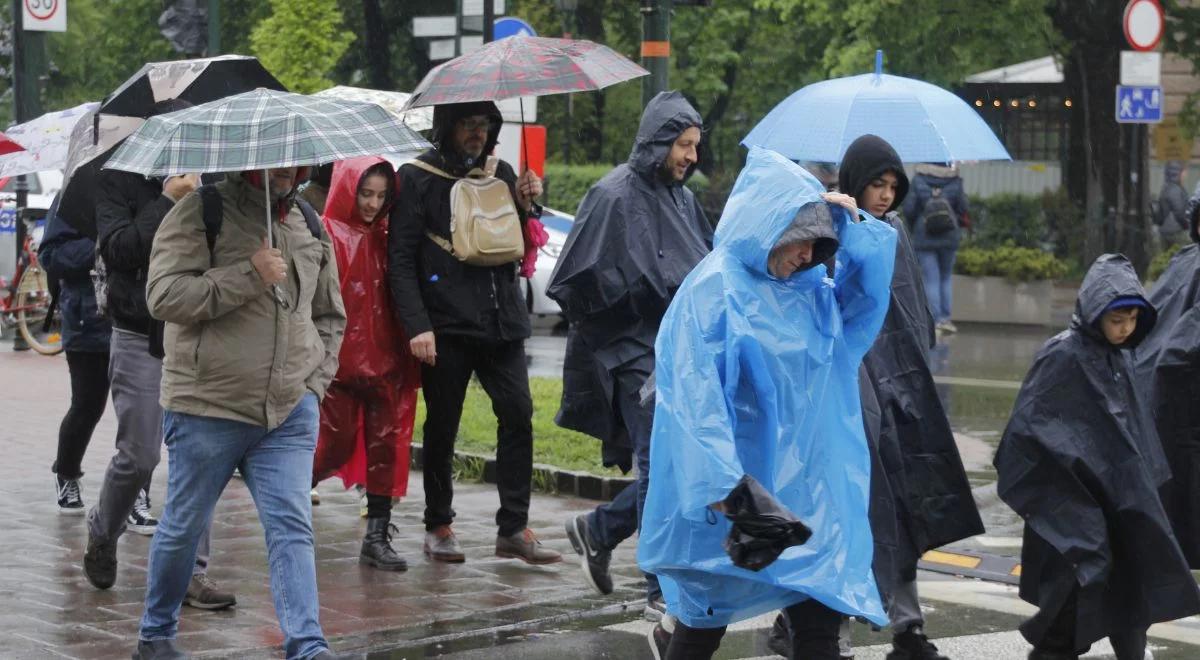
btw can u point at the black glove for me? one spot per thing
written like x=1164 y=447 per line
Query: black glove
x=762 y=527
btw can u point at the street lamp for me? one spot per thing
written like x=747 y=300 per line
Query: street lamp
x=567 y=9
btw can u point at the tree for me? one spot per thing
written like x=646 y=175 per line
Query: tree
x=301 y=42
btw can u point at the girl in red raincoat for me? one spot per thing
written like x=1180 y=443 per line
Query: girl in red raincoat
x=372 y=402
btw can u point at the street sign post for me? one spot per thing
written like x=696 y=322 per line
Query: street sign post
x=1143 y=24
x=1143 y=69
x=45 y=15
x=1139 y=105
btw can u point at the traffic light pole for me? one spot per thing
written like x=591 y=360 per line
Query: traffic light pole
x=656 y=47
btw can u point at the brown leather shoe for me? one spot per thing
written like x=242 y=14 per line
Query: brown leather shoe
x=525 y=546
x=442 y=545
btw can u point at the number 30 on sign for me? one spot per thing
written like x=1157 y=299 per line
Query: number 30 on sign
x=45 y=15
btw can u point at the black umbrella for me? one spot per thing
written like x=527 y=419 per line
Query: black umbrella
x=146 y=93
x=195 y=81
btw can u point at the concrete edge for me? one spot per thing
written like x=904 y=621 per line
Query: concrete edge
x=546 y=478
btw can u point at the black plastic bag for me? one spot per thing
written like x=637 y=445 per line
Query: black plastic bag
x=762 y=527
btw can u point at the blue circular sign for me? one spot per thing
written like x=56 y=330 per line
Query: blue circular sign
x=512 y=27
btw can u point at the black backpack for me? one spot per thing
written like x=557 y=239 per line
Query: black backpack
x=213 y=212
x=939 y=214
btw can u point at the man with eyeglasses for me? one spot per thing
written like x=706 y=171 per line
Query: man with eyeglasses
x=465 y=319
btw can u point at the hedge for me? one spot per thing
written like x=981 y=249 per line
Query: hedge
x=1018 y=264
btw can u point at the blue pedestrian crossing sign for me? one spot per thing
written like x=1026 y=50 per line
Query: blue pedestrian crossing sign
x=1138 y=104
x=512 y=27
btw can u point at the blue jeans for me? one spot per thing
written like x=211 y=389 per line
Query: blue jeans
x=936 y=268
x=617 y=520
x=277 y=466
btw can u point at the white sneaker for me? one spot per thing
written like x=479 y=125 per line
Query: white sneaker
x=314 y=496
x=140 y=521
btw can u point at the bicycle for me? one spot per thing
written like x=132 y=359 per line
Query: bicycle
x=28 y=302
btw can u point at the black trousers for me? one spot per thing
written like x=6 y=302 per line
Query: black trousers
x=1127 y=643
x=89 y=395
x=504 y=376
x=814 y=629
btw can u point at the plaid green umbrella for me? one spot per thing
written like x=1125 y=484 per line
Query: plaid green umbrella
x=263 y=129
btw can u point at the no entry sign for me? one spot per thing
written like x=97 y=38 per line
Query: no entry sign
x=1143 y=23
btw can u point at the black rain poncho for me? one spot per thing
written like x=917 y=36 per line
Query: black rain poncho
x=1076 y=462
x=912 y=438
x=1168 y=371
x=636 y=236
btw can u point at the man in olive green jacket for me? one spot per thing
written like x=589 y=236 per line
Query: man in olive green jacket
x=251 y=342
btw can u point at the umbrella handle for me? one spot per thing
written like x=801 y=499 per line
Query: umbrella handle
x=267 y=192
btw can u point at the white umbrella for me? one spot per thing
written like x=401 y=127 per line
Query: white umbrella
x=418 y=119
x=46 y=141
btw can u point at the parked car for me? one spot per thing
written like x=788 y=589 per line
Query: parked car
x=558 y=225
x=42 y=188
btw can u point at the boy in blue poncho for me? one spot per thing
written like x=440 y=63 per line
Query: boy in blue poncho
x=757 y=393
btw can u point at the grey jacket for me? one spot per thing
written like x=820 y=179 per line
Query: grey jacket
x=232 y=350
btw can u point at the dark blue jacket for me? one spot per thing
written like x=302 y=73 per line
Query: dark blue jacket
x=914 y=204
x=68 y=256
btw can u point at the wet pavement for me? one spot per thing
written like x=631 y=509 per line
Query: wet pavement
x=486 y=608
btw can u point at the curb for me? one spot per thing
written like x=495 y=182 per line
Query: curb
x=965 y=563
x=546 y=478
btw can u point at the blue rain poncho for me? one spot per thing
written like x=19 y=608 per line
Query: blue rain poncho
x=759 y=376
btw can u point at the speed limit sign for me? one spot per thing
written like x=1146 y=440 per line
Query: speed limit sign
x=45 y=15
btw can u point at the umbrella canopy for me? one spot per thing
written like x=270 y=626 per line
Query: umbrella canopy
x=925 y=123
x=93 y=140
x=46 y=141
x=418 y=119
x=524 y=66
x=263 y=129
x=8 y=145
x=195 y=81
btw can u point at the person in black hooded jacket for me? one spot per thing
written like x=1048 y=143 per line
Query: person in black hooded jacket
x=1081 y=463
x=921 y=465
x=464 y=320
x=639 y=231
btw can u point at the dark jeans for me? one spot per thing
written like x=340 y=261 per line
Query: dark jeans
x=89 y=395
x=814 y=629
x=613 y=522
x=504 y=376
x=1128 y=644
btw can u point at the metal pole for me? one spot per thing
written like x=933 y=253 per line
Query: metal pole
x=214 y=28
x=22 y=187
x=656 y=46
x=458 y=27
x=489 y=21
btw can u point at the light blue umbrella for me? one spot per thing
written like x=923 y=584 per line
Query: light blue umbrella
x=925 y=123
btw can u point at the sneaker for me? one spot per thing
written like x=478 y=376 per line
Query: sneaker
x=140 y=521
x=947 y=327
x=314 y=496
x=442 y=545
x=594 y=561
x=362 y=501
x=204 y=594
x=100 y=562
x=524 y=545
x=655 y=609
x=912 y=644
x=69 y=501
x=159 y=649
x=659 y=639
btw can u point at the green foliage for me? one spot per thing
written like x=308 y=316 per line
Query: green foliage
x=301 y=41
x=1049 y=222
x=1017 y=264
x=1160 y=261
x=1182 y=37
x=552 y=445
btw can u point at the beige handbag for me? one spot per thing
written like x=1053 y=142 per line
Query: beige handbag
x=485 y=228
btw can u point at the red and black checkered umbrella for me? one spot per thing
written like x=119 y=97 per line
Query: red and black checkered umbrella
x=524 y=66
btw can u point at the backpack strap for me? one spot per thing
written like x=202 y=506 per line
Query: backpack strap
x=213 y=211
x=310 y=217
x=420 y=164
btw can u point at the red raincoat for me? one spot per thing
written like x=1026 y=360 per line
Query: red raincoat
x=368 y=413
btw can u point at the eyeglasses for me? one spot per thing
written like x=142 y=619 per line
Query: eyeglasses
x=472 y=124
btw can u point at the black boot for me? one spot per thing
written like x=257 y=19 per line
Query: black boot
x=377 y=547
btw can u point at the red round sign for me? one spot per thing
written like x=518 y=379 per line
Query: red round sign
x=42 y=10
x=1143 y=24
